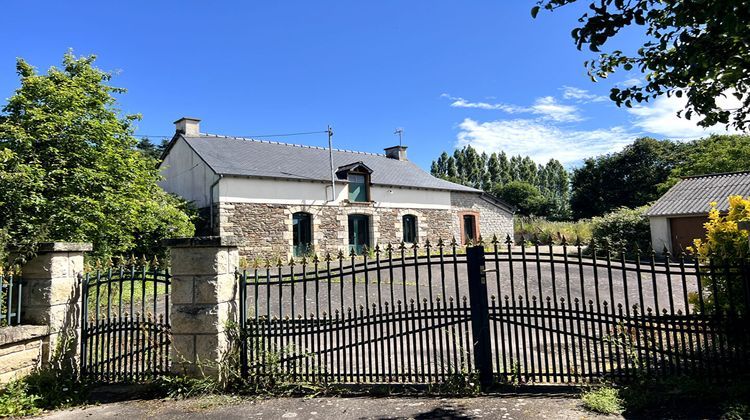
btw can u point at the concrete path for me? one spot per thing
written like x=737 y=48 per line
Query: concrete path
x=226 y=407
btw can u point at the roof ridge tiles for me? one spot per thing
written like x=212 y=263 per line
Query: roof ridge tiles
x=289 y=144
x=716 y=174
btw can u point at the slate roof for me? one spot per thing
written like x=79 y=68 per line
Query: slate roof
x=256 y=158
x=692 y=195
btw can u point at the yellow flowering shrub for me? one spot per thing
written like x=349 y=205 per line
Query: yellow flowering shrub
x=724 y=241
x=726 y=248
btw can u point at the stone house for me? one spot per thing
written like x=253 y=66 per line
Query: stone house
x=286 y=199
x=677 y=217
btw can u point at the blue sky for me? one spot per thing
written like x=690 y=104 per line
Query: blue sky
x=449 y=72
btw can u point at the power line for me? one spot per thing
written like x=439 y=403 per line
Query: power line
x=251 y=136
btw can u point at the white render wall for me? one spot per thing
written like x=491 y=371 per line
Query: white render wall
x=661 y=234
x=186 y=175
x=276 y=191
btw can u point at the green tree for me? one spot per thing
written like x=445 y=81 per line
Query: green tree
x=710 y=155
x=629 y=178
x=151 y=149
x=692 y=48
x=526 y=197
x=70 y=170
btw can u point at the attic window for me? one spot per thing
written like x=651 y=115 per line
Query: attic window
x=358 y=187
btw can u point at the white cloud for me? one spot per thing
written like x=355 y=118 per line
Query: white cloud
x=660 y=117
x=540 y=140
x=547 y=107
x=581 y=95
x=631 y=82
x=463 y=103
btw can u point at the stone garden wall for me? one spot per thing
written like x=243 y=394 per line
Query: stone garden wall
x=21 y=350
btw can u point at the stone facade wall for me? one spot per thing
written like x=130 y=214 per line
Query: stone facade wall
x=493 y=220
x=21 y=350
x=266 y=229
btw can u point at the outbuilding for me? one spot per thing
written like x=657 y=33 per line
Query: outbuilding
x=678 y=217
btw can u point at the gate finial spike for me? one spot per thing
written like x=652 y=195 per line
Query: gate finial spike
x=402 y=246
x=453 y=242
x=508 y=239
x=440 y=243
x=328 y=257
x=665 y=252
x=351 y=253
x=340 y=255
x=427 y=244
x=315 y=259
x=279 y=262
x=563 y=240
x=480 y=241
x=291 y=261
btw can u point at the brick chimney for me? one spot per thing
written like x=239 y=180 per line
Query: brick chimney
x=188 y=126
x=396 y=152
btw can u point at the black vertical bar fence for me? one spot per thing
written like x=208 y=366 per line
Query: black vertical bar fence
x=11 y=287
x=569 y=313
x=395 y=314
x=125 y=331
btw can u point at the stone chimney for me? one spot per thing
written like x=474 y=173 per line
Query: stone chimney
x=188 y=126
x=396 y=152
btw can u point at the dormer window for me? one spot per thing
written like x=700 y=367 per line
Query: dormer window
x=357 y=175
x=357 y=187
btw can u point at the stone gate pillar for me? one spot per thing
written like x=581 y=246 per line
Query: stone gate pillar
x=204 y=302
x=51 y=296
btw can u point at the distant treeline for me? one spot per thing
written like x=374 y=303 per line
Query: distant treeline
x=633 y=177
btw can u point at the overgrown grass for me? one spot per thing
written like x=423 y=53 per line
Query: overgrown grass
x=604 y=400
x=553 y=231
x=109 y=294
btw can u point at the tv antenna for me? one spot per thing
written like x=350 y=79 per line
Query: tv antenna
x=400 y=132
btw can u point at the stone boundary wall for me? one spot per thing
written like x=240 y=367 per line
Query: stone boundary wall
x=21 y=350
x=265 y=230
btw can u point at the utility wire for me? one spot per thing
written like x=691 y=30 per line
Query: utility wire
x=253 y=136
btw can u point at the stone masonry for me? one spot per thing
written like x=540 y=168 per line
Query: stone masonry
x=266 y=229
x=204 y=302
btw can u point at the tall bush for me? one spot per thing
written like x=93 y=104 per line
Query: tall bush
x=622 y=229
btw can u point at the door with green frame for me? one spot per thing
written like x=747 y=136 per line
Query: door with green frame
x=302 y=234
x=359 y=233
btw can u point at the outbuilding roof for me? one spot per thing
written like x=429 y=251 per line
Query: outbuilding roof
x=236 y=156
x=693 y=195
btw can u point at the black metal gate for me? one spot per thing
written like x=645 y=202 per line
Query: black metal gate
x=570 y=315
x=539 y=314
x=125 y=332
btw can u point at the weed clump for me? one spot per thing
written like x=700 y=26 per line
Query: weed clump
x=604 y=400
